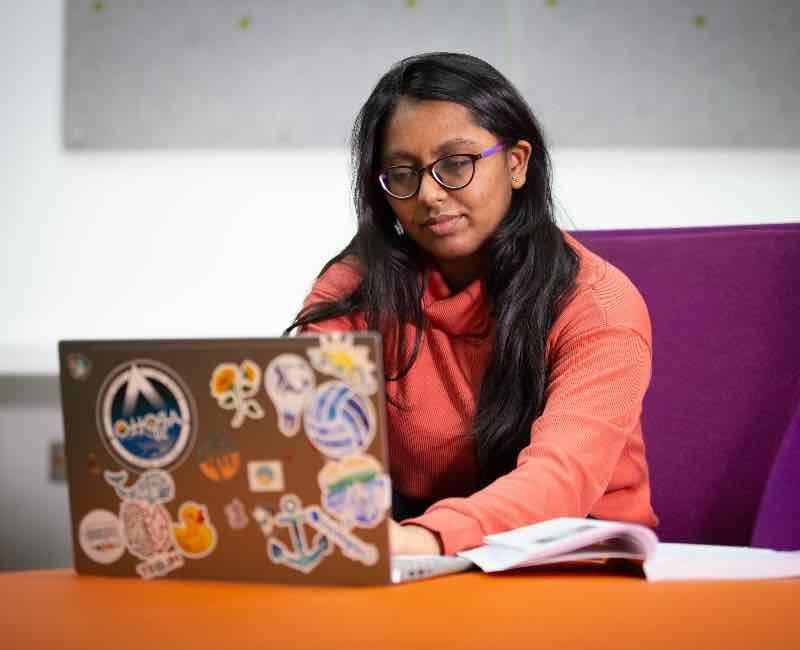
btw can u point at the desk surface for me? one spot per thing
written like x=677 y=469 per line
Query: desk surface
x=531 y=609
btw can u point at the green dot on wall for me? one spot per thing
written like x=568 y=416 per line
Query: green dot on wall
x=701 y=22
x=245 y=23
x=97 y=7
x=411 y=3
x=552 y=3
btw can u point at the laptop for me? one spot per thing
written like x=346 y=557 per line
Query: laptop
x=235 y=459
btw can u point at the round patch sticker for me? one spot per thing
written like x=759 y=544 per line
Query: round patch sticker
x=146 y=416
x=100 y=536
x=338 y=421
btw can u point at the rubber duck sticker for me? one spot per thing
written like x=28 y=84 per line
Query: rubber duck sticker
x=195 y=535
x=234 y=388
x=289 y=382
x=218 y=458
x=338 y=356
x=339 y=421
x=145 y=416
x=356 y=491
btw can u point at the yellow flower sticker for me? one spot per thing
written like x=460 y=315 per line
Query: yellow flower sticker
x=234 y=387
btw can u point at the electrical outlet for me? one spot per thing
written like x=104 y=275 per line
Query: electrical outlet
x=58 y=462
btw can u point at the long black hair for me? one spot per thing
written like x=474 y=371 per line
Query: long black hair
x=531 y=269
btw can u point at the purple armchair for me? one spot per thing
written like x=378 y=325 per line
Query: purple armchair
x=725 y=307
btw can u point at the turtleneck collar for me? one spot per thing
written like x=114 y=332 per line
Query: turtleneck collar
x=459 y=314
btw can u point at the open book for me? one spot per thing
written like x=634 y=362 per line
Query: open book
x=572 y=540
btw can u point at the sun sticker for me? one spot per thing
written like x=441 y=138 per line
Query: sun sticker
x=337 y=355
x=234 y=388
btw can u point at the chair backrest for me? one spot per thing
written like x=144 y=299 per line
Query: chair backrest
x=725 y=307
x=778 y=522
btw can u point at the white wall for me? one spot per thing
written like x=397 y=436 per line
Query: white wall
x=211 y=243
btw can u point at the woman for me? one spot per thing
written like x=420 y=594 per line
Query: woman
x=516 y=360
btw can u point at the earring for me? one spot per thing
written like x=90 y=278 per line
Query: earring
x=514 y=179
x=398 y=228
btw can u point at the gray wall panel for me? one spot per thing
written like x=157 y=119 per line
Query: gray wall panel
x=187 y=74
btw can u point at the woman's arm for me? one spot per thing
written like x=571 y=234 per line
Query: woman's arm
x=585 y=446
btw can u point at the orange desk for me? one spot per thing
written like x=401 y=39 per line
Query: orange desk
x=525 y=609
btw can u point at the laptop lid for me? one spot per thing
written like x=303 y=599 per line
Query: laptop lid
x=241 y=459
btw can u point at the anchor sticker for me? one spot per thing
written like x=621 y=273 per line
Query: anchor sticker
x=302 y=556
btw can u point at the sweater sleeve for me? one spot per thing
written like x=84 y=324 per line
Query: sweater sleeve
x=592 y=412
x=336 y=283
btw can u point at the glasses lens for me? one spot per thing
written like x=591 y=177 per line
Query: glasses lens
x=454 y=171
x=400 y=181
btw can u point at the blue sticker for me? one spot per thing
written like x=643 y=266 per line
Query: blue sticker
x=146 y=416
x=356 y=491
x=301 y=556
x=338 y=421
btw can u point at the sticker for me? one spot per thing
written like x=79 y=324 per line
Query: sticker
x=264 y=520
x=154 y=486
x=289 y=381
x=195 y=535
x=146 y=416
x=100 y=536
x=159 y=565
x=356 y=491
x=234 y=387
x=265 y=476
x=236 y=515
x=337 y=355
x=350 y=545
x=338 y=421
x=218 y=458
x=147 y=528
x=302 y=556
x=79 y=367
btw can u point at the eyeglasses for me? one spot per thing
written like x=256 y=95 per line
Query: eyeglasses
x=452 y=172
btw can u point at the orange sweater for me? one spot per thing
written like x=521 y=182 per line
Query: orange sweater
x=586 y=455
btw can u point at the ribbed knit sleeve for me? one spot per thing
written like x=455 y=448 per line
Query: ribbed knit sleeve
x=591 y=418
x=337 y=282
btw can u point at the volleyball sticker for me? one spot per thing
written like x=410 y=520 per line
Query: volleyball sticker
x=289 y=381
x=338 y=421
x=195 y=535
x=100 y=536
x=356 y=491
x=337 y=355
x=234 y=388
x=146 y=416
